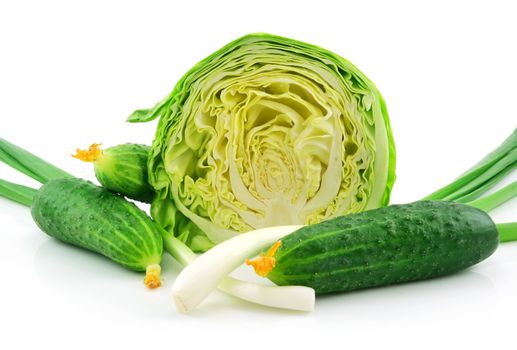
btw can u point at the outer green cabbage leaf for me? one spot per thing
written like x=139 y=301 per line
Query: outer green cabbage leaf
x=267 y=131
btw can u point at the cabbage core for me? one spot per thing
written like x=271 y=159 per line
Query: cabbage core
x=268 y=131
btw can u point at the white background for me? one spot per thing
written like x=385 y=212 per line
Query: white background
x=71 y=72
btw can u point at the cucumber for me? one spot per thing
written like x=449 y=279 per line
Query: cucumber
x=121 y=169
x=395 y=244
x=78 y=212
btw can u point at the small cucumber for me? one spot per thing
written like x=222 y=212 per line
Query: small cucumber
x=121 y=169
x=395 y=244
x=78 y=212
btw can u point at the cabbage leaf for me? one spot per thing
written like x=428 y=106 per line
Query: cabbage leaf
x=267 y=131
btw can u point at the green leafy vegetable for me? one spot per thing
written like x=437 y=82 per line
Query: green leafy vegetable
x=267 y=131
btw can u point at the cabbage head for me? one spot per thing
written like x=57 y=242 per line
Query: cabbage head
x=267 y=131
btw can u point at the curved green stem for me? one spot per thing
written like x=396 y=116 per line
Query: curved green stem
x=507 y=232
x=483 y=181
x=483 y=175
x=17 y=193
x=290 y=297
x=29 y=164
x=494 y=180
x=179 y=250
x=495 y=199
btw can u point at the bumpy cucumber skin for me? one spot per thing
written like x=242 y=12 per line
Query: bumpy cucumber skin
x=123 y=169
x=78 y=212
x=395 y=244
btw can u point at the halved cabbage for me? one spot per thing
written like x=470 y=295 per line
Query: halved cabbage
x=267 y=131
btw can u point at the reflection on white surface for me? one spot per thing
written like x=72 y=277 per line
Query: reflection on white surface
x=417 y=300
x=76 y=270
x=75 y=290
x=77 y=273
x=60 y=262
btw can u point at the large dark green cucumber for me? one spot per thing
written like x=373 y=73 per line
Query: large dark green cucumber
x=123 y=169
x=80 y=213
x=395 y=244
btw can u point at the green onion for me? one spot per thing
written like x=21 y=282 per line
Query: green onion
x=29 y=164
x=483 y=176
x=17 y=193
x=507 y=232
x=495 y=199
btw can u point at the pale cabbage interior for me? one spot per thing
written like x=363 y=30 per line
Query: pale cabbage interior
x=268 y=138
